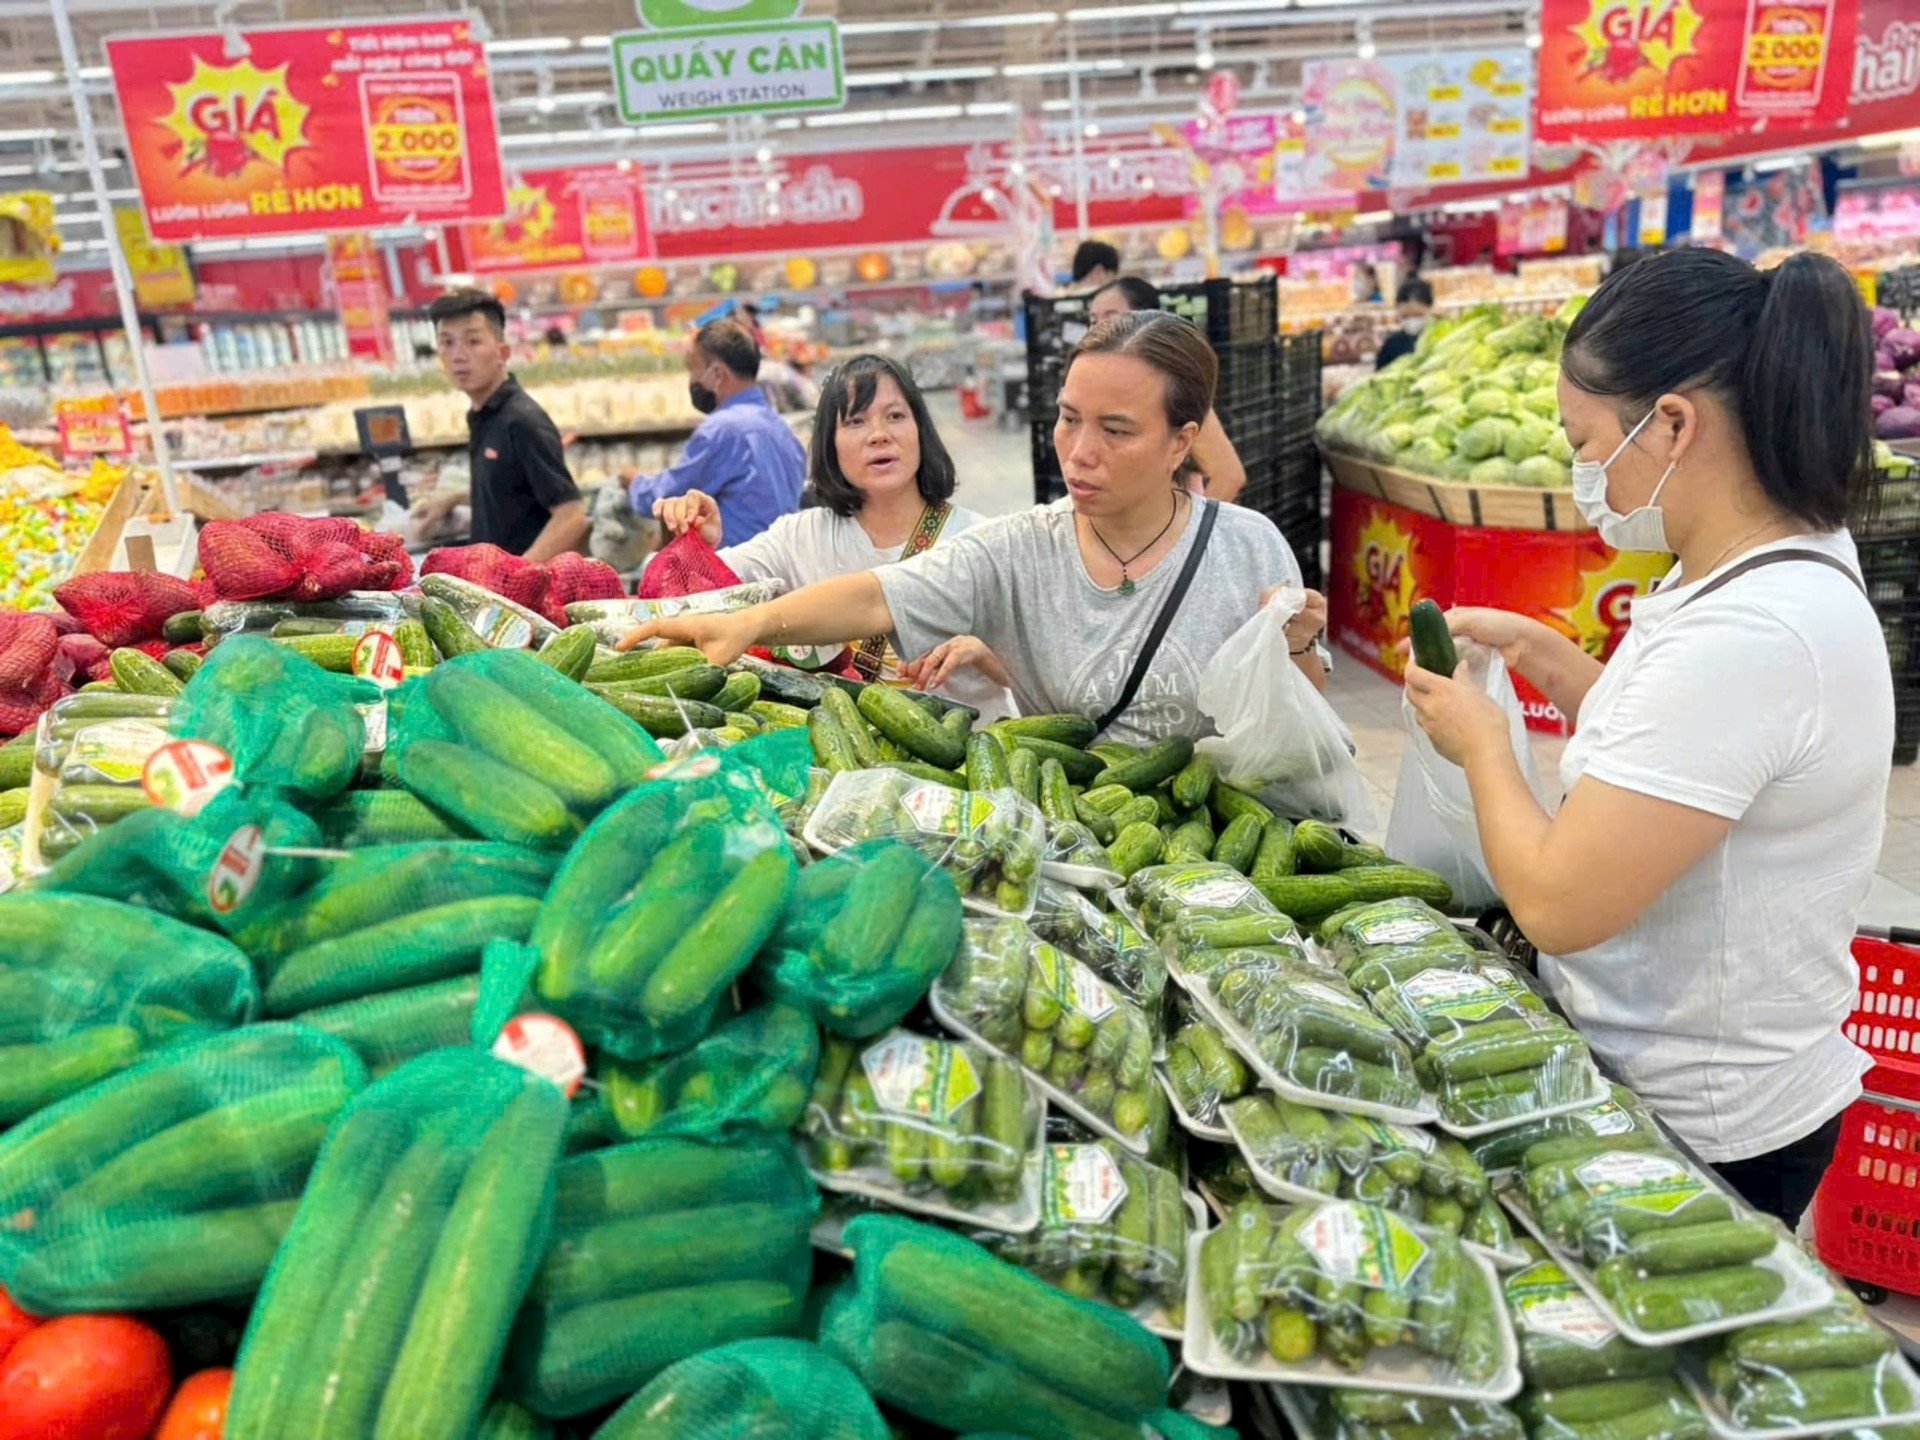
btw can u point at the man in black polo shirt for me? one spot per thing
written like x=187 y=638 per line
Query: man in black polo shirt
x=522 y=497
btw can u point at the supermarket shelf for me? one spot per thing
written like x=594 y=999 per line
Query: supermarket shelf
x=245 y=462
x=618 y=432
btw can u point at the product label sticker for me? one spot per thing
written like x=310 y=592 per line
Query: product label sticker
x=502 y=628
x=1365 y=1244
x=1606 y=1118
x=373 y=715
x=1545 y=1300
x=1641 y=1182
x=237 y=869
x=1454 y=995
x=935 y=809
x=1090 y=994
x=1397 y=929
x=912 y=1075
x=1083 y=1186
x=1209 y=891
x=377 y=657
x=808 y=657
x=116 y=750
x=544 y=1045
x=184 y=775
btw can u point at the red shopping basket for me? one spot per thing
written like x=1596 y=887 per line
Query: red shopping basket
x=1886 y=1022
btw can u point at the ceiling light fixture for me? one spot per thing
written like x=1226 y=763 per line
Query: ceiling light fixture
x=27 y=77
x=1121 y=12
x=530 y=45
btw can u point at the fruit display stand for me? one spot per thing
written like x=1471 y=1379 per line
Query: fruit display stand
x=1397 y=537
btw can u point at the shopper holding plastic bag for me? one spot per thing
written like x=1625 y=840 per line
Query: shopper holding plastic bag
x=1695 y=896
x=1109 y=603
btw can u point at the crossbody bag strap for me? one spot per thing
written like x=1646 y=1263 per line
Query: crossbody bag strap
x=1210 y=512
x=1773 y=557
x=869 y=655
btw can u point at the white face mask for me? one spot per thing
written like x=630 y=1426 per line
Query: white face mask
x=1643 y=529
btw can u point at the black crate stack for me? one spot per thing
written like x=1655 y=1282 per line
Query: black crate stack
x=1268 y=399
x=1886 y=529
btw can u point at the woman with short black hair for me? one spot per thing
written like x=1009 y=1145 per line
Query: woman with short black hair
x=1695 y=896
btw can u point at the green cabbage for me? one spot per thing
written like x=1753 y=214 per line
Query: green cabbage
x=1541 y=471
x=1490 y=402
x=1497 y=471
x=1483 y=439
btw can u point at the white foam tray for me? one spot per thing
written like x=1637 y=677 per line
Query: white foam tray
x=1219 y=1134
x=1723 y=1426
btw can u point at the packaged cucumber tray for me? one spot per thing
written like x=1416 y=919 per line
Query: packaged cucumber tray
x=1347 y=1295
x=1371 y=1415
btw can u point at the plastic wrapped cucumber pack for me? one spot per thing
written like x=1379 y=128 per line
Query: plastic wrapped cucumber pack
x=661 y=1249
x=1084 y=1041
x=944 y=1127
x=1832 y=1366
x=1204 y=1072
x=935 y=1326
x=751 y=1075
x=90 y=986
x=1382 y=1415
x=990 y=842
x=868 y=930
x=658 y=909
x=387 y=1306
x=1340 y=1281
x=614 y=620
x=1620 y=1119
x=172 y=1182
x=753 y=1387
x=1193 y=903
x=1105 y=942
x=1300 y=1152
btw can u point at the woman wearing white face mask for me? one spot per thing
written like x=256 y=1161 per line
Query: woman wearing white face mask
x=1726 y=782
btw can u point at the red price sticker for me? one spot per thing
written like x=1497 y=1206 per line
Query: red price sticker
x=377 y=658
x=547 y=1046
x=184 y=775
x=237 y=870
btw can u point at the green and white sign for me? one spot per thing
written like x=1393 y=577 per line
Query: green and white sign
x=679 y=14
x=747 y=69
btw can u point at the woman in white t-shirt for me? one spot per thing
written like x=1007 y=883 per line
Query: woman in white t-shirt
x=1694 y=898
x=882 y=483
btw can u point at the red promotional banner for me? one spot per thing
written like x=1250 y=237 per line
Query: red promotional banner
x=362 y=296
x=556 y=218
x=309 y=129
x=1649 y=69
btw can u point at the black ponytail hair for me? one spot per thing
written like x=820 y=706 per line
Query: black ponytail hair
x=1788 y=351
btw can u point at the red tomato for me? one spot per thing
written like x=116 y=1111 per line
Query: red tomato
x=101 y=1377
x=14 y=1322
x=199 y=1408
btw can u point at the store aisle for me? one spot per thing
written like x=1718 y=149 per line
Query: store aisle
x=991 y=459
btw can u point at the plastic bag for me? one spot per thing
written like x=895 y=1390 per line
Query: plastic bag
x=661 y=1249
x=1567 y=1343
x=89 y=753
x=365 y=609
x=1088 y=1046
x=511 y=748
x=756 y=1387
x=1432 y=823
x=990 y=841
x=286 y=723
x=1279 y=738
x=491 y=568
x=659 y=908
x=937 y=1327
x=753 y=1074
x=1621 y=1407
x=1344 y=1414
x=1355 y=930
x=1837 y=1364
x=89 y=986
x=388 y=1304
x=1203 y=1070
x=1483 y=1068
x=937 y=1126
x=1620 y=1119
x=614 y=620
x=868 y=930
x=173 y=1182
x=502 y=622
x=1107 y=943
x=1342 y=1279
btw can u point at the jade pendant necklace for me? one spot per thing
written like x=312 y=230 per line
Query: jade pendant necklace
x=1127 y=587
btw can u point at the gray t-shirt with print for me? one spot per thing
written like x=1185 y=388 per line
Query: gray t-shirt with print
x=1019 y=583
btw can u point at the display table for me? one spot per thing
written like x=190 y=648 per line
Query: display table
x=1398 y=537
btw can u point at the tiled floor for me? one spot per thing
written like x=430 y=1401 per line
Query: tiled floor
x=996 y=477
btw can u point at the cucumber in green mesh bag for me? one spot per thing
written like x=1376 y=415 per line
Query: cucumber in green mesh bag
x=756 y=1387
x=387 y=1308
x=657 y=910
x=661 y=1249
x=172 y=1183
x=180 y=865
x=89 y=986
x=511 y=748
x=288 y=724
x=868 y=930
x=752 y=1074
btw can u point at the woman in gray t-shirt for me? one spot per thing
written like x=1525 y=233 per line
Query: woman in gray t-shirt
x=1065 y=594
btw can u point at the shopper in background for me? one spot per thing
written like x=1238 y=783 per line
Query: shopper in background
x=521 y=494
x=1700 y=884
x=1067 y=594
x=1095 y=263
x=1216 y=464
x=1415 y=304
x=883 y=483
x=1366 y=284
x=743 y=455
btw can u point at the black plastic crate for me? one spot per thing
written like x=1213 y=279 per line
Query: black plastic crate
x=1890 y=506
x=1900 y=624
x=1891 y=569
x=1906 y=726
x=1899 y=289
x=1231 y=312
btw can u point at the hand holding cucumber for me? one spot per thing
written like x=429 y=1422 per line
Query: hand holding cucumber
x=1460 y=718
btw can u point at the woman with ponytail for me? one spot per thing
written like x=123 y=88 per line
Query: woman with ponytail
x=1695 y=896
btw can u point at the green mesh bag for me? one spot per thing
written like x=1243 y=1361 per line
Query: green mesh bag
x=751 y=1075
x=355 y=819
x=868 y=930
x=388 y=1029
x=393 y=916
x=511 y=748
x=288 y=724
x=939 y=1328
x=662 y=1249
x=173 y=863
x=173 y=1182
x=88 y=986
x=655 y=913
x=387 y=1308
x=771 y=1389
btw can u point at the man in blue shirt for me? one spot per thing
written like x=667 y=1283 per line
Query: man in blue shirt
x=743 y=454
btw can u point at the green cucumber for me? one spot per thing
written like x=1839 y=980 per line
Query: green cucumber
x=716 y=948
x=1076 y=731
x=1152 y=769
x=1433 y=647
x=570 y=652
x=1317 y=847
x=908 y=725
x=1080 y=766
